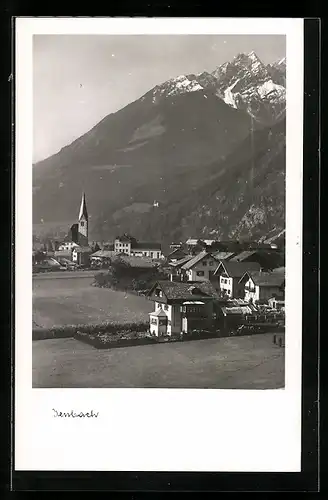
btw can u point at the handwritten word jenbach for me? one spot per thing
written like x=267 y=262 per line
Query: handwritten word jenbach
x=74 y=414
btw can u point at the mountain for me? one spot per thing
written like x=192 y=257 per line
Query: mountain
x=189 y=144
x=241 y=197
x=144 y=142
x=247 y=84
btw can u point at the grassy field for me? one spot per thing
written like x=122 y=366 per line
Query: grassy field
x=251 y=362
x=72 y=300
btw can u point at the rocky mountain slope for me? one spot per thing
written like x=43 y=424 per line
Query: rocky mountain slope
x=240 y=197
x=209 y=148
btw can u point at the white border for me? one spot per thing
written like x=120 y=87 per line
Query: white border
x=222 y=430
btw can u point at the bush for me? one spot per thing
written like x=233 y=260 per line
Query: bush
x=115 y=329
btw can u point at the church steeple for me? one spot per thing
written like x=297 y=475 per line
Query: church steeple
x=83 y=208
x=83 y=222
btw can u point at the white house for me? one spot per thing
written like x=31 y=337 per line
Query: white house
x=130 y=246
x=201 y=267
x=67 y=246
x=81 y=255
x=227 y=275
x=180 y=307
x=262 y=286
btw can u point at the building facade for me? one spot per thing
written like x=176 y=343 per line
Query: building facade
x=181 y=307
x=201 y=267
x=130 y=246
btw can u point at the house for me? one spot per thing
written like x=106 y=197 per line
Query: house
x=176 y=254
x=130 y=246
x=227 y=275
x=201 y=267
x=223 y=255
x=63 y=255
x=268 y=259
x=181 y=307
x=261 y=286
x=192 y=242
x=67 y=246
x=81 y=255
x=147 y=249
x=175 y=269
x=276 y=303
x=102 y=257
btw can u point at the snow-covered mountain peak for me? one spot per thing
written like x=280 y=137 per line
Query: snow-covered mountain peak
x=178 y=85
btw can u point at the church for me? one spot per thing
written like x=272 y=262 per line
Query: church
x=77 y=241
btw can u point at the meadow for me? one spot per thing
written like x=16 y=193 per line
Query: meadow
x=71 y=300
x=250 y=362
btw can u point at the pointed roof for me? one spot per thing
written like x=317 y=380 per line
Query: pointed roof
x=159 y=313
x=236 y=269
x=83 y=208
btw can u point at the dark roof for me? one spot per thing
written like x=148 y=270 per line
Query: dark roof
x=266 y=279
x=237 y=269
x=81 y=249
x=220 y=255
x=176 y=251
x=243 y=255
x=196 y=259
x=182 y=261
x=103 y=253
x=145 y=245
x=125 y=238
x=63 y=253
x=187 y=290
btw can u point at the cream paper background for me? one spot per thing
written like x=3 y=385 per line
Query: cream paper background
x=216 y=430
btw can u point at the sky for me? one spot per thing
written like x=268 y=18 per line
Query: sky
x=80 y=79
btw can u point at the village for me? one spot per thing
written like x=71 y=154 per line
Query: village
x=197 y=286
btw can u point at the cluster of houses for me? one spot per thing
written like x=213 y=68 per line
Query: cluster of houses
x=212 y=287
x=207 y=279
x=76 y=250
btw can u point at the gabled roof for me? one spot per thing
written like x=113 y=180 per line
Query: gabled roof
x=223 y=255
x=159 y=313
x=237 y=269
x=192 y=262
x=176 y=290
x=80 y=249
x=103 y=253
x=243 y=255
x=182 y=261
x=266 y=279
x=176 y=251
x=126 y=238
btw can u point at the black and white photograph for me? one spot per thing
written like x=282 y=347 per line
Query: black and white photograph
x=160 y=169
x=159 y=211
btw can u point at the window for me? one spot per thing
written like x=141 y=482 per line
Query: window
x=210 y=263
x=82 y=224
x=200 y=273
x=204 y=263
x=151 y=254
x=228 y=292
x=166 y=307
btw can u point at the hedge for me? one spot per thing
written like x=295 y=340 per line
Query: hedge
x=67 y=331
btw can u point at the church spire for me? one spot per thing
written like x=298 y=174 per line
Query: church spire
x=83 y=209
